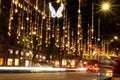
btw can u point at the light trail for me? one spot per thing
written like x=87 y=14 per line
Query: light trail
x=38 y=69
x=33 y=68
x=78 y=69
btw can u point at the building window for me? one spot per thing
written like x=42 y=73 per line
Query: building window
x=22 y=53
x=1 y=61
x=27 y=54
x=11 y=51
x=36 y=56
x=16 y=52
x=10 y=62
x=26 y=62
x=16 y=62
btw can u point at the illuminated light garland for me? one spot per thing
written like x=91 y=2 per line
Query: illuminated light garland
x=65 y=29
x=17 y=3
x=79 y=31
x=47 y=33
x=10 y=19
x=47 y=27
x=57 y=14
x=32 y=24
x=68 y=37
x=57 y=33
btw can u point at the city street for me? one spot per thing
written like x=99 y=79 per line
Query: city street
x=51 y=76
x=59 y=39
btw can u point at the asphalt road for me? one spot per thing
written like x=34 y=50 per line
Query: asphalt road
x=50 y=76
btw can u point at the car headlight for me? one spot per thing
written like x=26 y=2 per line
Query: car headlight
x=109 y=73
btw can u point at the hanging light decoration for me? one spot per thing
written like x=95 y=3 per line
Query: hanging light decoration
x=68 y=38
x=57 y=32
x=36 y=27
x=57 y=13
x=11 y=18
x=48 y=28
x=79 y=32
x=64 y=27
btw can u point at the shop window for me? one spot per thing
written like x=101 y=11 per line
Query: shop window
x=22 y=53
x=64 y=62
x=1 y=61
x=16 y=52
x=26 y=62
x=27 y=54
x=10 y=62
x=16 y=62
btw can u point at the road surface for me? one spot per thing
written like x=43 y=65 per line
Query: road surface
x=50 y=76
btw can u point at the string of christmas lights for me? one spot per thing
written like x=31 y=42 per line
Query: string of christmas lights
x=36 y=27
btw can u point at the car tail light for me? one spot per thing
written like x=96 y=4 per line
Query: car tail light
x=96 y=68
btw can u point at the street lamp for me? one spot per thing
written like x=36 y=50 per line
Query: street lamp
x=116 y=37
x=105 y=6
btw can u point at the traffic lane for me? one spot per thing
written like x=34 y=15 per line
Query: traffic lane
x=50 y=76
x=45 y=76
x=116 y=78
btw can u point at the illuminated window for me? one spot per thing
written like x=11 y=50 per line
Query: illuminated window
x=1 y=61
x=16 y=52
x=26 y=62
x=11 y=51
x=36 y=56
x=72 y=62
x=10 y=62
x=16 y=62
x=22 y=53
x=57 y=63
x=64 y=62
x=27 y=54
x=43 y=57
x=40 y=56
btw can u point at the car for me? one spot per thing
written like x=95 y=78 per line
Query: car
x=99 y=69
x=116 y=67
x=93 y=66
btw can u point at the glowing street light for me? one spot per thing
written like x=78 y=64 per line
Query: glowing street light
x=116 y=37
x=105 y=6
x=58 y=1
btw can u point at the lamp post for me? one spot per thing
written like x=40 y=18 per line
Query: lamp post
x=104 y=7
